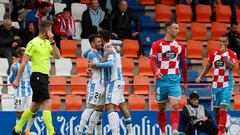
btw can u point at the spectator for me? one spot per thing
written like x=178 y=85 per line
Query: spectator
x=120 y=24
x=64 y=26
x=93 y=20
x=9 y=40
x=20 y=9
x=29 y=33
x=40 y=14
x=192 y=3
x=109 y=5
x=234 y=39
x=196 y=117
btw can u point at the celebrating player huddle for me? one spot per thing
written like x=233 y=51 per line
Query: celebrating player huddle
x=105 y=87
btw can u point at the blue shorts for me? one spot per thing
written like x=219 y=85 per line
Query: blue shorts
x=168 y=87
x=221 y=96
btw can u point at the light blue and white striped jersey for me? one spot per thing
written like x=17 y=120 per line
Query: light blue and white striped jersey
x=98 y=75
x=24 y=88
x=115 y=72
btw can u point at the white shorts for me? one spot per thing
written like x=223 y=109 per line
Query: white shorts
x=21 y=103
x=96 y=94
x=114 y=92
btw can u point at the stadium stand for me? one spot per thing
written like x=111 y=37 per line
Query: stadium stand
x=4 y=67
x=203 y=13
x=63 y=67
x=2 y=11
x=130 y=48
x=141 y=85
x=77 y=10
x=1 y=82
x=183 y=31
x=56 y=103
x=194 y=49
x=163 y=13
x=216 y=31
x=82 y=66
x=58 y=7
x=126 y=87
x=153 y=105
x=223 y=13
x=168 y=2
x=198 y=31
x=147 y=2
x=68 y=48
x=78 y=85
x=73 y=102
x=136 y=106
x=183 y=13
x=57 y=85
x=127 y=66
x=211 y=45
x=144 y=68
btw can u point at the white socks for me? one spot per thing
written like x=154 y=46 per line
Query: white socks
x=113 y=120
x=129 y=125
x=84 y=118
x=99 y=127
x=93 y=121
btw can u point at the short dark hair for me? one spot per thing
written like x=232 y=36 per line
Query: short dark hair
x=106 y=35
x=225 y=35
x=92 y=38
x=44 y=4
x=20 y=50
x=194 y=95
x=7 y=16
x=66 y=9
x=169 y=23
x=234 y=23
x=43 y=25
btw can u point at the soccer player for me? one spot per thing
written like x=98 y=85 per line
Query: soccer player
x=38 y=50
x=96 y=87
x=23 y=94
x=115 y=86
x=223 y=61
x=167 y=55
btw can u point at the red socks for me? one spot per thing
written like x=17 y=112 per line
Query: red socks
x=174 y=118
x=162 y=121
x=217 y=119
x=222 y=122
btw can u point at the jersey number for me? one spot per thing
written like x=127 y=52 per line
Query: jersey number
x=97 y=95
x=18 y=102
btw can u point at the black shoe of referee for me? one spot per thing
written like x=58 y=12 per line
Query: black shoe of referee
x=16 y=133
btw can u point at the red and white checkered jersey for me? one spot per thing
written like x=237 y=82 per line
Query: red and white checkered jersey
x=222 y=76
x=168 y=55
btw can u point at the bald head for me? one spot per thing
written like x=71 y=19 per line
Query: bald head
x=123 y=5
x=7 y=24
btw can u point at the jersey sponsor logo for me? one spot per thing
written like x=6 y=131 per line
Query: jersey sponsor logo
x=219 y=63
x=170 y=54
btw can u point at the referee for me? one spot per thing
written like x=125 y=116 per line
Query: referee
x=38 y=50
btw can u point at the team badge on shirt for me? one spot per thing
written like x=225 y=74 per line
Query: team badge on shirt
x=170 y=54
x=219 y=63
